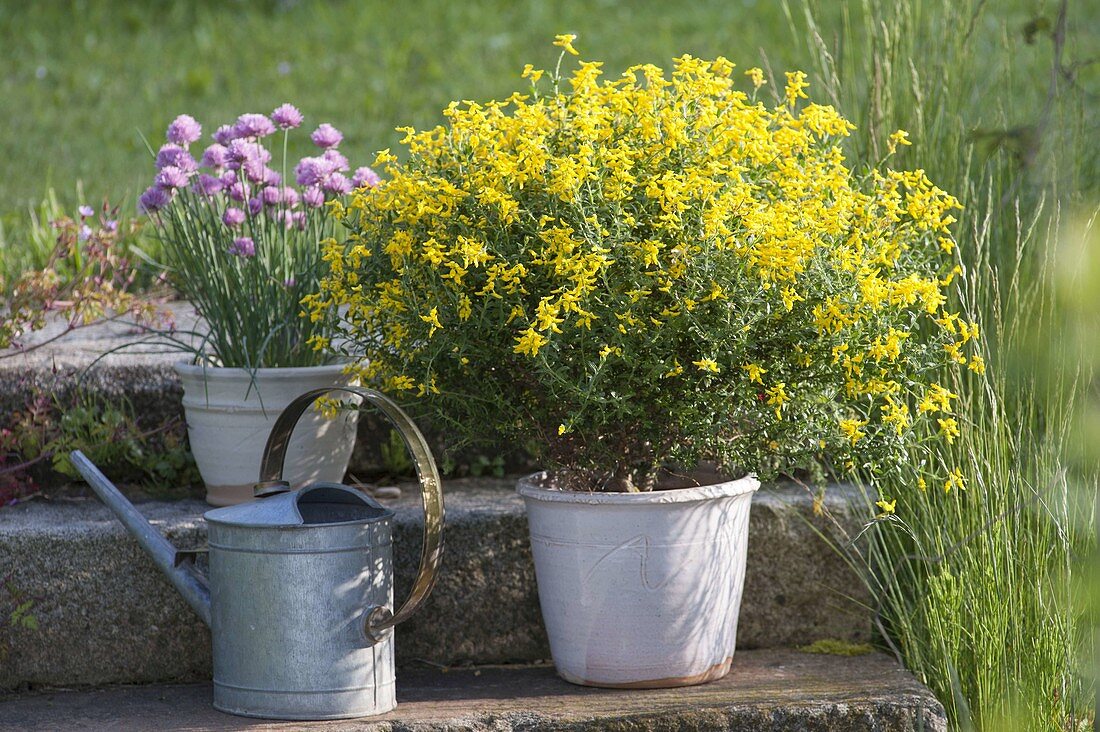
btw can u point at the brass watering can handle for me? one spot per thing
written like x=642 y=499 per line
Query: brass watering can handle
x=379 y=619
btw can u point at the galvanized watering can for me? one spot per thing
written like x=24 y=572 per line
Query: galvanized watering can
x=300 y=583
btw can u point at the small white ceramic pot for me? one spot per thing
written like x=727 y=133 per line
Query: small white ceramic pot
x=230 y=413
x=640 y=590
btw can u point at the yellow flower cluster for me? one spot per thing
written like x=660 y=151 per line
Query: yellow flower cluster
x=562 y=252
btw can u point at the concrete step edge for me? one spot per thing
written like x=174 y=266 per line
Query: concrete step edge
x=767 y=691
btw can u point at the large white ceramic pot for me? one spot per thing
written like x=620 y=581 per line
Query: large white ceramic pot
x=640 y=590
x=230 y=413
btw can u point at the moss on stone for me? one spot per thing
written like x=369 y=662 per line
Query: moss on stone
x=834 y=647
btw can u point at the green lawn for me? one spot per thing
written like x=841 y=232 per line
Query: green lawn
x=83 y=81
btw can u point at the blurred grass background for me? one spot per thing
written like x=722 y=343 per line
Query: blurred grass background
x=986 y=594
x=82 y=79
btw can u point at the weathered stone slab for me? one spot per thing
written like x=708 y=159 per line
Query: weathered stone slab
x=766 y=691
x=105 y=614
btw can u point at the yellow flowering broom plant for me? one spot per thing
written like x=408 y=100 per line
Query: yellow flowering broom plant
x=651 y=270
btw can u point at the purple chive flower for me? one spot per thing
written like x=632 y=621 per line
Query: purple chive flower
x=271 y=196
x=365 y=177
x=238 y=191
x=233 y=217
x=208 y=185
x=272 y=177
x=243 y=247
x=225 y=135
x=337 y=183
x=171 y=177
x=290 y=219
x=86 y=211
x=339 y=162
x=215 y=156
x=326 y=136
x=313 y=171
x=240 y=151
x=313 y=197
x=154 y=199
x=290 y=197
x=85 y=232
x=286 y=117
x=289 y=282
x=300 y=219
x=253 y=125
x=184 y=130
x=176 y=156
x=255 y=205
x=255 y=171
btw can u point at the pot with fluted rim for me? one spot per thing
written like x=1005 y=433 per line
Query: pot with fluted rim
x=230 y=412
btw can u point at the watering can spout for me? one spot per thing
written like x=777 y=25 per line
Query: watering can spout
x=182 y=574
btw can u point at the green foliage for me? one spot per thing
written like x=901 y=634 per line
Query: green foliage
x=395 y=456
x=246 y=276
x=88 y=277
x=483 y=465
x=648 y=271
x=109 y=434
x=975 y=588
x=477 y=466
x=22 y=617
x=16 y=611
x=26 y=243
x=107 y=430
x=250 y=303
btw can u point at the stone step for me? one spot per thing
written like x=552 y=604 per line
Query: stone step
x=766 y=691
x=121 y=365
x=105 y=615
x=111 y=362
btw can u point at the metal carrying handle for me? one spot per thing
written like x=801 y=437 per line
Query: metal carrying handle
x=380 y=620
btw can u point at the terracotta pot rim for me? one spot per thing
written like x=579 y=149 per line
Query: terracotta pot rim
x=529 y=487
